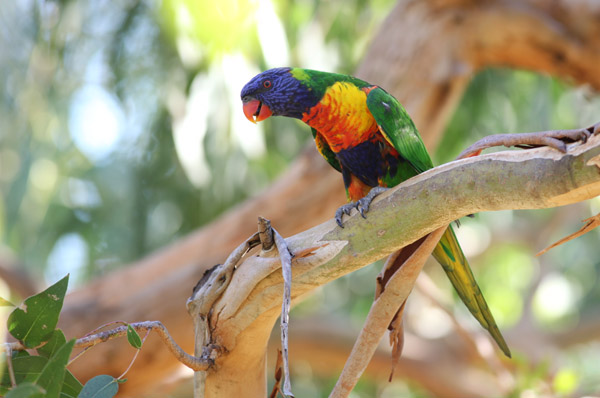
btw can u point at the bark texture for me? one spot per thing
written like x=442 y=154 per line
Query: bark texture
x=244 y=316
x=425 y=53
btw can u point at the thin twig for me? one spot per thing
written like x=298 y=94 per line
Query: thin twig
x=11 y=370
x=79 y=354
x=277 y=375
x=286 y=269
x=192 y=362
x=137 y=352
x=104 y=326
x=396 y=326
x=551 y=138
x=270 y=238
x=396 y=338
x=591 y=223
x=381 y=314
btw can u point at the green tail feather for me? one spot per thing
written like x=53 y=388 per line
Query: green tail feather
x=449 y=254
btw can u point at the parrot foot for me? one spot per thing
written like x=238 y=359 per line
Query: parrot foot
x=362 y=205
x=552 y=138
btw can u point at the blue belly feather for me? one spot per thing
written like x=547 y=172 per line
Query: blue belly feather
x=367 y=163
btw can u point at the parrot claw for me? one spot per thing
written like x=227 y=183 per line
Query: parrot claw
x=361 y=210
x=344 y=209
x=338 y=216
x=362 y=205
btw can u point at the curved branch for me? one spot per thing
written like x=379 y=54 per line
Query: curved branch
x=195 y=363
x=383 y=310
x=533 y=179
x=551 y=138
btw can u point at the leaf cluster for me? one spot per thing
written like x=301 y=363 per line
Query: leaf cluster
x=40 y=369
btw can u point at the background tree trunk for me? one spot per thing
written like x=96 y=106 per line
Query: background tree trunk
x=425 y=53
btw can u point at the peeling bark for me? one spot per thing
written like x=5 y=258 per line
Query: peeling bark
x=248 y=309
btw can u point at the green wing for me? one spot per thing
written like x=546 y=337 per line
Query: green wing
x=325 y=150
x=398 y=129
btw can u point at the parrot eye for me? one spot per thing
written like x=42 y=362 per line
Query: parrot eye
x=267 y=84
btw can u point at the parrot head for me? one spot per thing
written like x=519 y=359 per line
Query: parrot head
x=276 y=92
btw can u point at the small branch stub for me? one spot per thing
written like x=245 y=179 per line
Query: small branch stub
x=277 y=375
x=590 y=224
x=265 y=234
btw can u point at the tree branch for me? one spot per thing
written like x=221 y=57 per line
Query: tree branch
x=552 y=138
x=247 y=310
x=382 y=312
x=195 y=363
x=425 y=53
x=438 y=366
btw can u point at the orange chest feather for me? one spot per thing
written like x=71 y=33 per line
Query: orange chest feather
x=342 y=116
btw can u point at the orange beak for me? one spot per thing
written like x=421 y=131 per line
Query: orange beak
x=256 y=111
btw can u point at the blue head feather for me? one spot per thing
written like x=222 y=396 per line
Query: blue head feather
x=285 y=94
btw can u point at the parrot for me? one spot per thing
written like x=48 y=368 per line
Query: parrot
x=365 y=134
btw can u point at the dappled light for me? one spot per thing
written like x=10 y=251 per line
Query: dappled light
x=122 y=134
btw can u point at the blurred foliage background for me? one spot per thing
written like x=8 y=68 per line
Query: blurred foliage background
x=121 y=130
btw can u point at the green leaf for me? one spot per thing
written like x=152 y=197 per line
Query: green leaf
x=5 y=303
x=17 y=354
x=71 y=386
x=26 y=369
x=26 y=390
x=57 y=340
x=133 y=337
x=103 y=386
x=34 y=321
x=53 y=374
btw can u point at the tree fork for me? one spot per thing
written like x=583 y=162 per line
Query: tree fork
x=247 y=309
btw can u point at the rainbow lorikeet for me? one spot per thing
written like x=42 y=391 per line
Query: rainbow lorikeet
x=366 y=134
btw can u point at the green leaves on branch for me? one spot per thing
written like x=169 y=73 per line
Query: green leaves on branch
x=56 y=340
x=103 y=386
x=49 y=373
x=26 y=370
x=26 y=390
x=34 y=321
x=53 y=374
x=133 y=337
